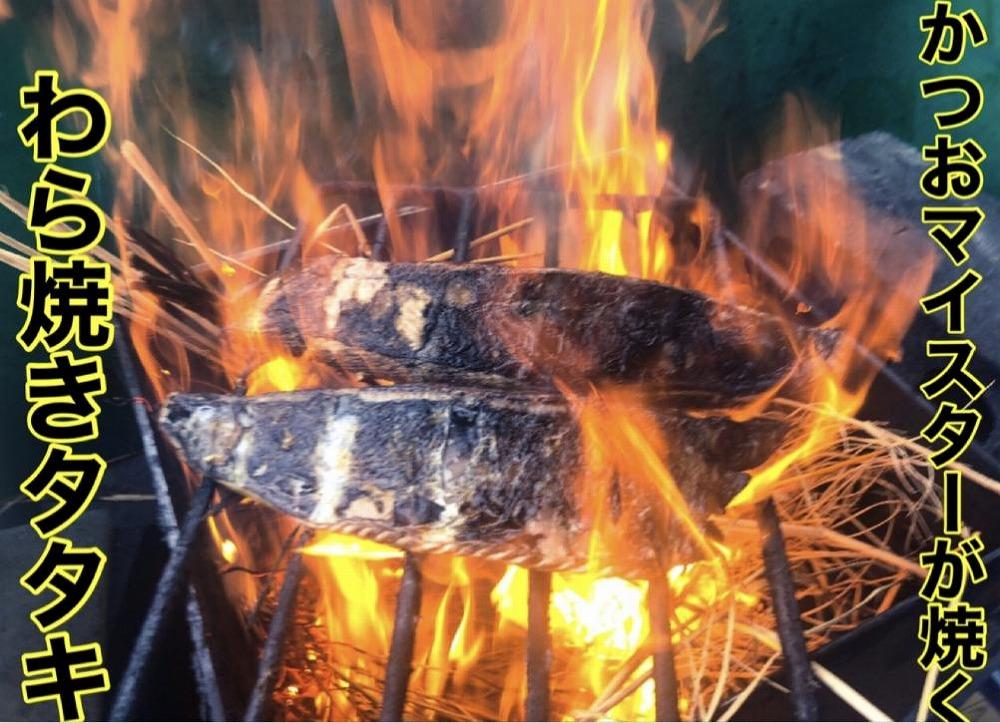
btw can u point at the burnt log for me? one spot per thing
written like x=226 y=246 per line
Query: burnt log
x=481 y=472
x=489 y=325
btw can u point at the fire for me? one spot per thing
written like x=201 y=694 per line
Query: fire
x=622 y=442
x=332 y=545
x=600 y=621
x=559 y=96
x=839 y=254
x=279 y=374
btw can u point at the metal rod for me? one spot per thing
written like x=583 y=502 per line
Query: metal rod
x=552 y=236
x=201 y=659
x=660 y=604
x=277 y=631
x=265 y=588
x=539 y=650
x=380 y=247
x=171 y=582
x=463 y=229
x=538 y=655
x=786 y=613
x=400 y=663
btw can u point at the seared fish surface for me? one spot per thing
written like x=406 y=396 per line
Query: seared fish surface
x=483 y=325
x=469 y=471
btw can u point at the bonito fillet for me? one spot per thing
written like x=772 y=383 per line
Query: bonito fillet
x=469 y=471
x=482 y=325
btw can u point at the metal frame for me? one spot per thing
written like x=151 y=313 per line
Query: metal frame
x=204 y=668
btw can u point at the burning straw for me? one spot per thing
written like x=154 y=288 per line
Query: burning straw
x=567 y=114
x=859 y=511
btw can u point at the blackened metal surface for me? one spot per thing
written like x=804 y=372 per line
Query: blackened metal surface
x=172 y=583
x=481 y=324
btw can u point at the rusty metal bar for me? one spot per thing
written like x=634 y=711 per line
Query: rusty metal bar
x=277 y=631
x=539 y=649
x=660 y=605
x=786 y=613
x=404 y=629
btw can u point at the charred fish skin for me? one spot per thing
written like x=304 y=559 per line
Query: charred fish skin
x=429 y=469
x=477 y=324
x=442 y=467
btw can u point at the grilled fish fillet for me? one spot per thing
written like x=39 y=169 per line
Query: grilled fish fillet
x=470 y=471
x=477 y=325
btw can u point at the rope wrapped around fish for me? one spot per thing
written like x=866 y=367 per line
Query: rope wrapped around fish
x=501 y=469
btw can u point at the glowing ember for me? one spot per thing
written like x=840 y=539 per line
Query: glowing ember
x=332 y=545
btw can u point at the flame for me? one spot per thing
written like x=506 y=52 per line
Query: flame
x=547 y=110
x=623 y=444
x=842 y=255
x=570 y=89
x=279 y=374
x=333 y=545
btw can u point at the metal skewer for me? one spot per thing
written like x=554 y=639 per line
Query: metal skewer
x=660 y=604
x=538 y=656
x=786 y=613
x=404 y=629
x=167 y=589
